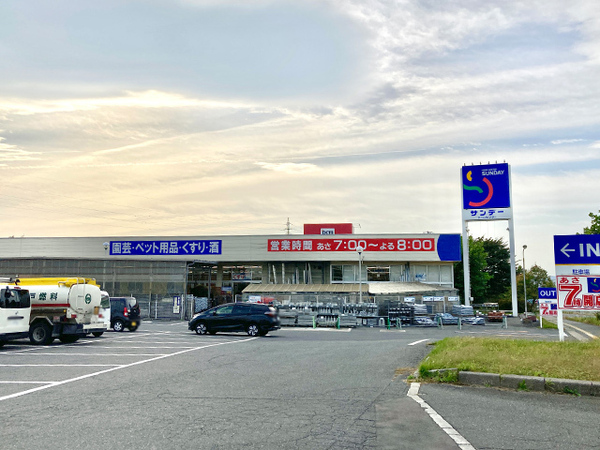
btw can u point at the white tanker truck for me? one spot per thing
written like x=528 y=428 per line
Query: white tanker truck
x=63 y=307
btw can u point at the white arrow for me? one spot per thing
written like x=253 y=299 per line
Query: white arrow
x=565 y=249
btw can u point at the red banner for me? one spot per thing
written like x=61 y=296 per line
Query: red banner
x=424 y=244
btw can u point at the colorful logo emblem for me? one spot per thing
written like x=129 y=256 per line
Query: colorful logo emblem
x=88 y=299
x=490 y=189
x=594 y=285
x=486 y=186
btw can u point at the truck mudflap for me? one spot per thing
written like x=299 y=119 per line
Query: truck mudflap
x=61 y=329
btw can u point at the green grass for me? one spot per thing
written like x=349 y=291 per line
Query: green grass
x=570 y=360
x=592 y=320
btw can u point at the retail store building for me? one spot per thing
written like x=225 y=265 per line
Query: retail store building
x=324 y=261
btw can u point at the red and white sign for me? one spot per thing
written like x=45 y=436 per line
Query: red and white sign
x=578 y=293
x=548 y=307
x=328 y=228
x=425 y=244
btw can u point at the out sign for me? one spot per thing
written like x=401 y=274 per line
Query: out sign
x=546 y=293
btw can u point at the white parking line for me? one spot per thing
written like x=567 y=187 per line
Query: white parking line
x=418 y=342
x=59 y=365
x=96 y=354
x=462 y=443
x=137 y=363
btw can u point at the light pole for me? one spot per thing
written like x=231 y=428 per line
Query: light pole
x=359 y=250
x=524 y=284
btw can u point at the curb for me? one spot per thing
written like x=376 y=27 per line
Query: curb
x=525 y=383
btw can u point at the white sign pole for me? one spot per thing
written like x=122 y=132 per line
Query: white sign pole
x=513 y=268
x=561 y=326
x=465 y=246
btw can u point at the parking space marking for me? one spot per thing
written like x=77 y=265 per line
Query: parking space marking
x=58 y=365
x=112 y=369
x=94 y=354
x=418 y=342
x=463 y=444
x=344 y=330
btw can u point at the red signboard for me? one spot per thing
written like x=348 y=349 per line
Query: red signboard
x=328 y=228
x=425 y=244
x=577 y=292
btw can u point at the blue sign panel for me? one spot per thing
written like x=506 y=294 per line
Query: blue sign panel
x=165 y=248
x=577 y=249
x=486 y=186
x=449 y=247
x=546 y=293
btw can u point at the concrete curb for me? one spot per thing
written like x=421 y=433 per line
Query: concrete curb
x=525 y=383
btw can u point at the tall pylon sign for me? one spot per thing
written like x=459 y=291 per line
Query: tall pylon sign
x=487 y=195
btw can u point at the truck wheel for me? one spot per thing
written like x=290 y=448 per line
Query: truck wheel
x=40 y=334
x=68 y=338
x=118 y=325
x=97 y=333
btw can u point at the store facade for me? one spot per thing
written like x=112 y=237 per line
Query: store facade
x=159 y=270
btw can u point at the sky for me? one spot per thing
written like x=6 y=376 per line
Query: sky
x=227 y=117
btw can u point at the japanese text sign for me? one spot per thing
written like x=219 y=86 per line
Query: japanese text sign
x=578 y=293
x=138 y=248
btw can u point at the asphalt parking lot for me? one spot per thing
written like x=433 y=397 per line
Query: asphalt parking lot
x=166 y=387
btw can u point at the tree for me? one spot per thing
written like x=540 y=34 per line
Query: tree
x=535 y=277
x=594 y=228
x=477 y=271
x=497 y=266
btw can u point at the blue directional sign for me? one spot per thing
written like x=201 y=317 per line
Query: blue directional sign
x=546 y=293
x=577 y=249
x=486 y=186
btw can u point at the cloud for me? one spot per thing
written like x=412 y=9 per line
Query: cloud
x=289 y=168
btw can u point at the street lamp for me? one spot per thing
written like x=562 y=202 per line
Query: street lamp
x=359 y=250
x=524 y=284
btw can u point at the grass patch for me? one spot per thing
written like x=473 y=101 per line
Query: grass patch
x=592 y=320
x=548 y=324
x=570 y=360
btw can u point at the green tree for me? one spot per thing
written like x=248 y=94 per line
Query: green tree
x=594 y=228
x=535 y=277
x=477 y=271
x=497 y=266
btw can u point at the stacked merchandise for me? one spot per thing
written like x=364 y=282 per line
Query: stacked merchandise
x=348 y=320
x=462 y=310
x=419 y=311
x=306 y=320
x=402 y=313
x=288 y=317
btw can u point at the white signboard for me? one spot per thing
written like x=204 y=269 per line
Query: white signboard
x=438 y=299
x=548 y=307
x=578 y=293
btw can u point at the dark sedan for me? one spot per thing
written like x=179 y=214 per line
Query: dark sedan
x=254 y=319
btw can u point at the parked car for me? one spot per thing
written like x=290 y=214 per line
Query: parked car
x=447 y=319
x=255 y=319
x=124 y=313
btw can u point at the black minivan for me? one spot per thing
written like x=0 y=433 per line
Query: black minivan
x=255 y=319
x=124 y=313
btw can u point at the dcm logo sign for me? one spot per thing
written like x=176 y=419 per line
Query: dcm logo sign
x=486 y=186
